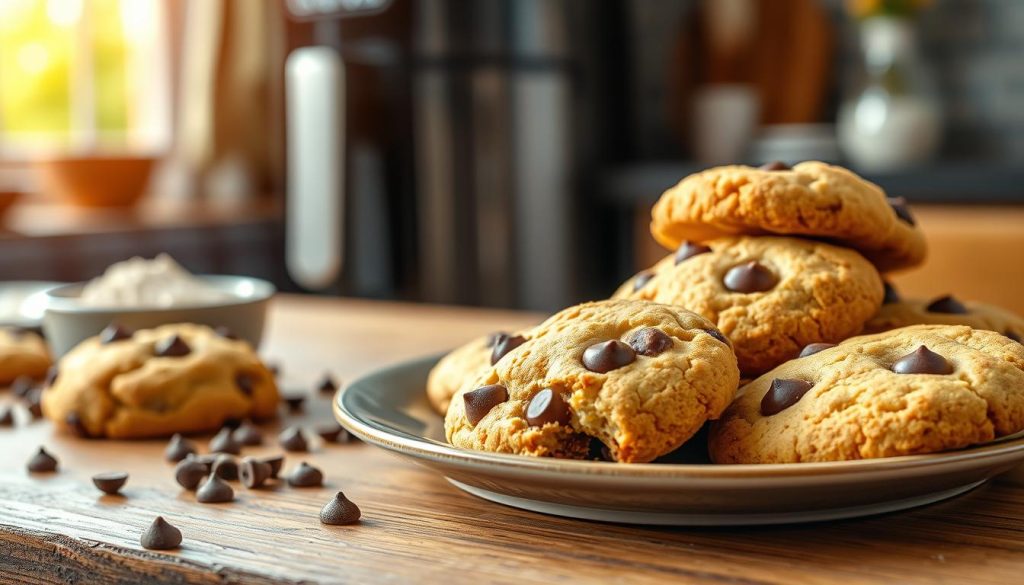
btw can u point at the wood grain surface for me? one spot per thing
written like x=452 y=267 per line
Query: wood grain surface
x=416 y=528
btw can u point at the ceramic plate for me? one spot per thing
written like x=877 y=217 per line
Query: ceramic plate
x=389 y=409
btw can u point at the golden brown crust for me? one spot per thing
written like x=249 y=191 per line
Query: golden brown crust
x=858 y=408
x=22 y=353
x=456 y=368
x=813 y=199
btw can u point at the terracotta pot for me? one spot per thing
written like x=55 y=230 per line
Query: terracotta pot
x=98 y=181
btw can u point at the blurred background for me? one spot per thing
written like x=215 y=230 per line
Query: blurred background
x=487 y=152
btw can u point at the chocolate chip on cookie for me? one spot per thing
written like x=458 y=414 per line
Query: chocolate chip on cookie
x=688 y=250
x=775 y=165
x=891 y=294
x=608 y=355
x=245 y=383
x=782 y=394
x=173 y=346
x=922 y=361
x=51 y=375
x=899 y=205
x=813 y=348
x=946 y=304
x=480 y=401
x=1013 y=336
x=641 y=279
x=650 y=341
x=750 y=277
x=505 y=344
x=115 y=332
x=547 y=406
x=717 y=334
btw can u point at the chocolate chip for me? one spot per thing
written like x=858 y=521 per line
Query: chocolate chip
x=494 y=337
x=922 y=361
x=224 y=442
x=275 y=464
x=294 y=402
x=225 y=467
x=173 y=346
x=248 y=435
x=160 y=536
x=688 y=250
x=891 y=295
x=1013 y=336
x=899 y=205
x=650 y=341
x=608 y=355
x=332 y=433
x=505 y=344
x=42 y=462
x=305 y=475
x=641 y=279
x=813 y=348
x=275 y=369
x=480 y=401
x=115 y=332
x=21 y=386
x=110 y=483
x=946 y=304
x=340 y=510
x=189 y=472
x=783 y=394
x=750 y=277
x=34 y=402
x=327 y=385
x=6 y=417
x=718 y=335
x=598 y=451
x=214 y=491
x=775 y=165
x=225 y=332
x=51 y=375
x=178 y=448
x=244 y=382
x=547 y=406
x=75 y=425
x=208 y=460
x=254 y=473
x=292 y=439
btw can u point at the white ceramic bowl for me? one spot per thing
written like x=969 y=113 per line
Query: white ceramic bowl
x=67 y=322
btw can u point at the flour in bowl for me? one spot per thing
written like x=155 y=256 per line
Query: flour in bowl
x=141 y=283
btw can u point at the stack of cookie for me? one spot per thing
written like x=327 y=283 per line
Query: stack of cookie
x=783 y=266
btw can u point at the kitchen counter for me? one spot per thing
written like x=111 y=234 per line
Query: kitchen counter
x=416 y=528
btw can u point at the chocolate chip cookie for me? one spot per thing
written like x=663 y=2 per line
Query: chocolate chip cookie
x=811 y=199
x=154 y=382
x=629 y=378
x=22 y=353
x=770 y=296
x=944 y=310
x=466 y=363
x=920 y=389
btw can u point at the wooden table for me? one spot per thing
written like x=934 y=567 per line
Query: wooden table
x=417 y=528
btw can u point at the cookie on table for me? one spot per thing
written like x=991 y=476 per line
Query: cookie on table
x=811 y=199
x=155 y=382
x=944 y=310
x=22 y=353
x=920 y=389
x=770 y=296
x=638 y=378
x=465 y=363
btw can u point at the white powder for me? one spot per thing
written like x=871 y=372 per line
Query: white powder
x=140 y=283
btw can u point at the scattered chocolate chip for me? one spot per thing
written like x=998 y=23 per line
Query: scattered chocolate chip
x=34 y=402
x=75 y=425
x=160 y=536
x=254 y=473
x=294 y=401
x=244 y=382
x=813 y=348
x=340 y=510
x=21 y=386
x=6 y=416
x=51 y=375
x=783 y=394
x=505 y=344
x=225 y=467
x=650 y=341
x=891 y=295
x=214 y=491
x=688 y=250
x=1013 y=336
x=750 y=277
x=332 y=433
x=607 y=356
x=248 y=435
x=225 y=332
x=899 y=205
x=189 y=472
x=641 y=279
x=946 y=304
x=775 y=165
x=275 y=462
x=305 y=475
x=292 y=439
x=207 y=459
x=327 y=385
x=480 y=401
x=718 y=335
x=224 y=442
x=547 y=406
x=922 y=361
x=173 y=346
x=115 y=332
x=42 y=462
x=110 y=483
x=178 y=448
